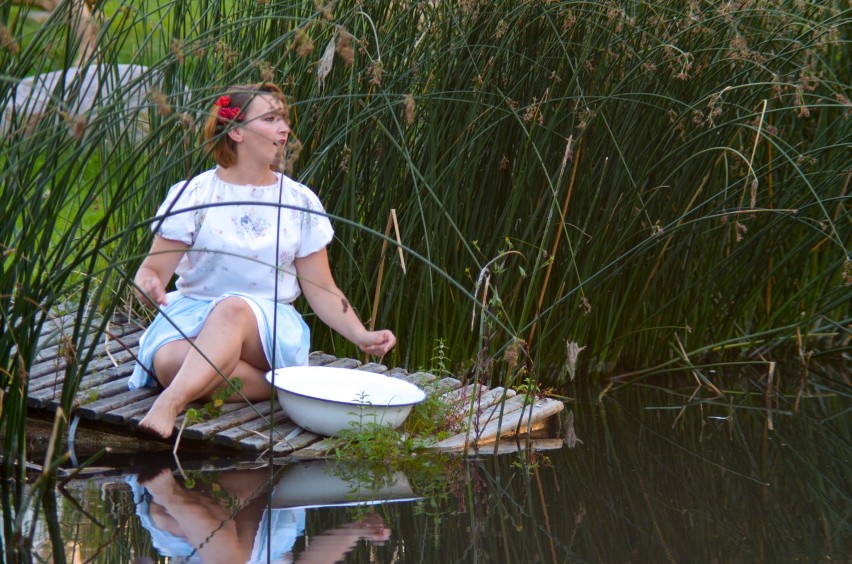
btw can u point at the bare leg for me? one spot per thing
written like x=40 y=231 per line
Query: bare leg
x=215 y=530
x=229 y=339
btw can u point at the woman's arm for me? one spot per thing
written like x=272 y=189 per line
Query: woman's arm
x=157 y=269
x=332 y=307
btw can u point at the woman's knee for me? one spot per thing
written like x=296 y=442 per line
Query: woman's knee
x=168 y=359
x=234 y=308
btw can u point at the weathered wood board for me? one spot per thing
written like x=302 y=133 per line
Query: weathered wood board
x=484 y=416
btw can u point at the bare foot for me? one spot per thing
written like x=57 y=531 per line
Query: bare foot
x=163 y=482
x=160 y=419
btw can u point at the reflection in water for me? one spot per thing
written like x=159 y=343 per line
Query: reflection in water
x=642 y=483
x=226 y=518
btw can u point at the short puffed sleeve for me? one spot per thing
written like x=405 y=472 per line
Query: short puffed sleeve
x=179 y=216
x=316 y=230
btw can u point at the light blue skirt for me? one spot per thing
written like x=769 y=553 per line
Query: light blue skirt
x=183 y=317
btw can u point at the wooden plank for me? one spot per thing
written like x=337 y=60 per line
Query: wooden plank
x=461 y=407
x=320 y=449
x=98 y=386
x=96 y=410
x=101 y=378
x=511 y=422
x=417 y=378
x=461 y=395
x=49 y=388
x=298 y=442
x=443 y=386
x=132 y=415
x=373 y=367
x=52 y=330
x=231 y=437
x=259 y=443
x=57 y=364
x=53 y=372
x=224 y=411
x=206 y=429
x=115 y=387
x=492 y=413
x=507 y=447
x=51 y=351
x=124 y=414
x=513 y=402
x=319 y=358
x=344 y=363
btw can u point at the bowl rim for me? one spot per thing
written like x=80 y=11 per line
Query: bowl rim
x=270 y=377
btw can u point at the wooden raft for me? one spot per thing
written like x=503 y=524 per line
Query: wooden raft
x=104 y=400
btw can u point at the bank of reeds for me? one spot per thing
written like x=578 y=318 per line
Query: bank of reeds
x=579 y=187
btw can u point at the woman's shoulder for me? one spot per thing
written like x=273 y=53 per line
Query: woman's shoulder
x=193 y=186
x=199 y=181
x=297 y=190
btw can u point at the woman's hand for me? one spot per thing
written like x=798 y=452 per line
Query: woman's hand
x=377 y=343
x=157 y=270
x=149 y=288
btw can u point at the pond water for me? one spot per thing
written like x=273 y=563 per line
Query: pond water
x=642 y=482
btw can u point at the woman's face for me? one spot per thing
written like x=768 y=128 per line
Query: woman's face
x=264 y=131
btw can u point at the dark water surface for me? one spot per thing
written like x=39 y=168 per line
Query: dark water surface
x=643 y=483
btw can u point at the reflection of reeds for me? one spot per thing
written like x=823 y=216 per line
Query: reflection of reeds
x=710 y=205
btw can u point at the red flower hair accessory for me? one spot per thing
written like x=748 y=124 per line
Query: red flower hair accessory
x=226 y=111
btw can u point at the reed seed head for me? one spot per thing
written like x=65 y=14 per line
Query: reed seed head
x=345 y=157
x=303 y=45
x=324 y=10
x=375 y=72
x=229 y=56
x=502 y=28
x=8 y=41
x=267 y=73
x=511 y=354
x=78 y=127
x=160 y=100
x=177 y=50
x=196 y=49
x=409 y=109
x=186 y=120
x=344 y=46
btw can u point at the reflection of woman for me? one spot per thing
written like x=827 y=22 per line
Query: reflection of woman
x=245 y=242
x=230 y=523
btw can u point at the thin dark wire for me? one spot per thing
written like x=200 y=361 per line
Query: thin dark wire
x=272 y=393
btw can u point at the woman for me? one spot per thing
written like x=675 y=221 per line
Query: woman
x=226 y=233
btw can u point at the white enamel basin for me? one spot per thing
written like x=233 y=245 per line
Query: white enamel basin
x=326 y=400
x=322 y=483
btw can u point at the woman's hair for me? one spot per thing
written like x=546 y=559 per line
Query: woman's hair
x=237 y=97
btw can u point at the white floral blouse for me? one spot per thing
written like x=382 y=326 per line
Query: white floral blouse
x=231 y=231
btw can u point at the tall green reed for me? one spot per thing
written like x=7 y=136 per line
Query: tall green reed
x=693 y=204
x=617 y=177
